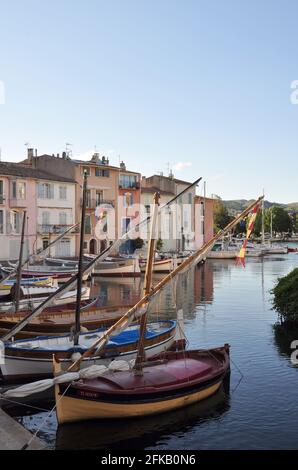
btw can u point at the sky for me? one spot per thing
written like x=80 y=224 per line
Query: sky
x=202 y=87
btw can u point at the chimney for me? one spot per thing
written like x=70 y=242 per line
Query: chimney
x=30 y=155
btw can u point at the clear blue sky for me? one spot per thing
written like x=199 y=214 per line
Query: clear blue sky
x=204 y=85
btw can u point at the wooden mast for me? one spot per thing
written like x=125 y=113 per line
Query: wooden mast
x=198 y=255
x=19 y=270
x=80 y=266
x=141 y=355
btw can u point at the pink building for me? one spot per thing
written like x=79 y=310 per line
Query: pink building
x=18 y=193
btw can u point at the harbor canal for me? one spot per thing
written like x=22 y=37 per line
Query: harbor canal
x=222 y=303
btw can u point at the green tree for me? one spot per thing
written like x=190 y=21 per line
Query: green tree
x=281 y=221
x=221 y=216
x=285 y=294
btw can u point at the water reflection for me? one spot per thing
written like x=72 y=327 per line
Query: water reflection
x=186 y=291
x=129 y=434
x=222 y=302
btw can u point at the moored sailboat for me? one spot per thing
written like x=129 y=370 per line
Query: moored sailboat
x=170 y=380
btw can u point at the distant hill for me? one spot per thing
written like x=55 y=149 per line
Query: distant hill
x=239 y=205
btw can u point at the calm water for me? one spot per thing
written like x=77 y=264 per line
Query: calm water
x=257 y=409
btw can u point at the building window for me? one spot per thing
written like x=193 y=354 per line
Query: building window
x=45 y=217
x=63 y=247
x=128 y=181
x=45 y=243
x=88 y=225
x=1 y=192
x=202 y=209
x=86 y=170
x=189 y=198
x=202 y=227
x=62 y=218
x=102 y=173
x=88 y=198
x=14 y=189
x=22 y=190
x=1 y=222
x=15 y=221
x=147 y=207
x=63 y=192
x=45 y=191
x=99 y=197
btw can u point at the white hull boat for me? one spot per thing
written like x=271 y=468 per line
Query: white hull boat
x=162 y=266
x=34 y=358
x=118 y=268
x=31 y=303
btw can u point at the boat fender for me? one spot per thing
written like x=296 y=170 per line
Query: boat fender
x=75 y=356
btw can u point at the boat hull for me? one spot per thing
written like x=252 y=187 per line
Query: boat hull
x=33 y=363
x=169 y=382
x=129 y=268
x=71 y=409
x=222 y=254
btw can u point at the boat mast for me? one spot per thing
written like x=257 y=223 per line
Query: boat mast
x=80 y=266
x=141 y=354
x=19 y=270
x=263 y=220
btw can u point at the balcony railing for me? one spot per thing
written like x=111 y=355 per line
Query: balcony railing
x=93 y=203
x=129 y=185
x=51 y=228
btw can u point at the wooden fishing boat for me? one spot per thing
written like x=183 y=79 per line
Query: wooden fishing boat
x=161 y=266
x=30 y=302
x=34 y=357
x=6 y=285
x=118 y=268
x=58 y=321
x=292 y=250
x=61 y=273
x=169 y=381
x=61 y=262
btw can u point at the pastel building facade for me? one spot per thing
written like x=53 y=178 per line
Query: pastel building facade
x=17 y=194
x=56 y=208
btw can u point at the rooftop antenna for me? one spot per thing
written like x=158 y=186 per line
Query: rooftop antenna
x=68 y=149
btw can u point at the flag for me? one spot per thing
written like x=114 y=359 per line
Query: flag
x=250 y=227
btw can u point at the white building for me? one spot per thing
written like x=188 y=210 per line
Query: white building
x=56 y=203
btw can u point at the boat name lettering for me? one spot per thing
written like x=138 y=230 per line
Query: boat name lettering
x=87 y=394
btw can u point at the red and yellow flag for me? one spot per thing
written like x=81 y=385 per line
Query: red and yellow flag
x=250 y=227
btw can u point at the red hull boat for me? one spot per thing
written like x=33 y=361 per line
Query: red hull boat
x=169 y=381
